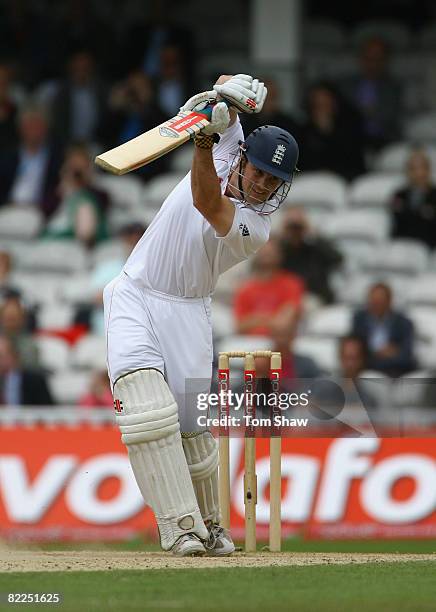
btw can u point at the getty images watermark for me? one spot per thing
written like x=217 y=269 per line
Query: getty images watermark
x=275 y=403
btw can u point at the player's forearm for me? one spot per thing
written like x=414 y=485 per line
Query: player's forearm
x=205 y=184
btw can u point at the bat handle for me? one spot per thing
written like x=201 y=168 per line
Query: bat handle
x=207 y=110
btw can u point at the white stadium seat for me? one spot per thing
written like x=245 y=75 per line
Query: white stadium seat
x=401 y=256
x=67 y=386
x=55 y=316
x=222 y=320
x=108 y=250
x=424 y=321
x=374 y=189
x=368 y=225
x=126 y=192
x=355 y=288
x=160 y=187
x=330 y=321
x=324 y=351
x=54 y=353
x=230 y=281
x=18 y=221
x=89 y=352
x=62 y=256
x=38 y=288
x=423 y=290
x=318 y=190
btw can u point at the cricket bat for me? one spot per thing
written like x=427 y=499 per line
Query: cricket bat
x=147 y=147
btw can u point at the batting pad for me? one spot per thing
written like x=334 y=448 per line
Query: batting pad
x=201 y=450
x=150 y=429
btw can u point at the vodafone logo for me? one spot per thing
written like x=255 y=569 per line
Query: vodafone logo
x=27 y=502
x=321 y=491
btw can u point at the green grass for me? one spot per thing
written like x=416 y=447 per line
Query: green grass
x=400 y=587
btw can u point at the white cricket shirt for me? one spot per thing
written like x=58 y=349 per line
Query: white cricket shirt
x=180 y=253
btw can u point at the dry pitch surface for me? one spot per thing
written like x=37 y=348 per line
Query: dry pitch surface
x=88 y=560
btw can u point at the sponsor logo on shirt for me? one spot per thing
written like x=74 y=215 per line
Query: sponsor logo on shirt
x=244 y=229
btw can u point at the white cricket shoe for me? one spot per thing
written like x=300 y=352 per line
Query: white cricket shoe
x=188 y=545
x=219 y=543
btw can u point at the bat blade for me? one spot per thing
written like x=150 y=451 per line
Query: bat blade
x=151 y=145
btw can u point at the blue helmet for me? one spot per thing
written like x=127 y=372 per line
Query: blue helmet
x=272 y=150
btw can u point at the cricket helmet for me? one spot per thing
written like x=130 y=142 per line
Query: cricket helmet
x=272 y=150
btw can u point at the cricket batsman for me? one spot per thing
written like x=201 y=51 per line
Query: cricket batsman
x=157 y=311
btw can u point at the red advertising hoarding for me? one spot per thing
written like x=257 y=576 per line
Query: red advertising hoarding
x=75 y=483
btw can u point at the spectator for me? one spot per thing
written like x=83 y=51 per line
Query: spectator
x=28 y=173
x=171 y=84
x=100 y=394
x=270 y=301
x=14 y=325
x=91 y=315
x=18 y=385
x=79 y=207
x=388 y=334
x=414 y=206
x=271 y=114
x=353 y=357
x=331 y=137
x=310 y=257
x=133 y=110
x=8 y=111
x=79 y=105
x=376 y=94
x=5 y=274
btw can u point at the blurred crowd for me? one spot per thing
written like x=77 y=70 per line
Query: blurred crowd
x=66 y=92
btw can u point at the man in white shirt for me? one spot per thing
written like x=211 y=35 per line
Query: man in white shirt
x=157 y=312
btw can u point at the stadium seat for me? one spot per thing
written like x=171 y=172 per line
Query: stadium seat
x=367 y=225
x=126 y=192
x=323 y=34
x=408 y=390
x=401 y=256
x=89 y=352
x=230 y=280
x=159 y=188
x=77 y=289
x=222 y=320
x=38 y=288
x=67 y=386
x=61 y=256
x=426 y=353
x=16 y=221
x=422 y=128
x=424 y=321
x=423 y=290
x=106 y=251
x=55 y=316
x=318 y=190
x=118 y=218
x=354 y=289
x=393 y=158
x=394 y=33
x=374 y=189
x=54 y=353
x=324 y=351
x=330 y=321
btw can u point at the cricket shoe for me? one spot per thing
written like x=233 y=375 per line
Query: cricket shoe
x=188 y=545
x=219 y=543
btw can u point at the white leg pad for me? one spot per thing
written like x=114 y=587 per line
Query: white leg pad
x=150 y=429
x=201 y=450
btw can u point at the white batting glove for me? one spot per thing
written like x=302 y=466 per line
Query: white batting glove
x=219 y=121
x=244 y=92
x=199 y=101
x=220 y=118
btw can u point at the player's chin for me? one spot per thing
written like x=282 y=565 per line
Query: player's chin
x=257 y=198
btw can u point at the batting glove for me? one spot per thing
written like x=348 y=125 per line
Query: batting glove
x=199 y=101
x=245 y=93
x=220 y=117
